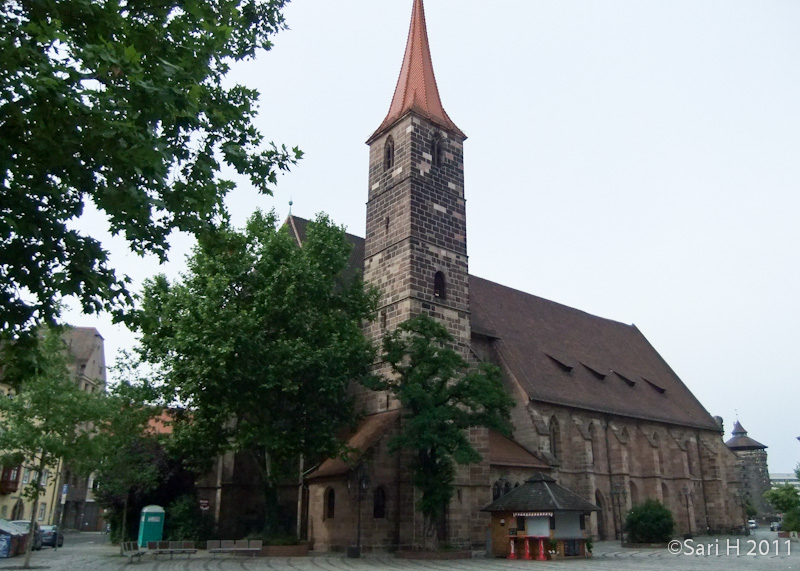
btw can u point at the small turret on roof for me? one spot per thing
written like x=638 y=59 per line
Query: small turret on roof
x=741 y=441
x=416 y=88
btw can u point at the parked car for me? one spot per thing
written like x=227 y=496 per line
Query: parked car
x=51 y=534
x=776 y=526
x=37 y=533
x=752 y=524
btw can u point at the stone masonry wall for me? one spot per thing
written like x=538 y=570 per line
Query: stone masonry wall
x=416 y=228
x=596 y=454
x=753 y=473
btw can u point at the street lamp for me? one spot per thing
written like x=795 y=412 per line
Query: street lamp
x=361 y=480
x=686 y=500
x=619 y=496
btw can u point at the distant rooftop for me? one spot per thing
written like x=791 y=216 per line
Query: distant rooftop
x=741 y=441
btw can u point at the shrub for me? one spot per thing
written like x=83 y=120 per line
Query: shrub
x=791 y=520
x=650 y=522
x=185 y=520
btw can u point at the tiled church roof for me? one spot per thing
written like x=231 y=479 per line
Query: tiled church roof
x=506 y=452
x=503 y=451
x=416 y=87
x=565 y=356
x=568 y=357
x=368 y=434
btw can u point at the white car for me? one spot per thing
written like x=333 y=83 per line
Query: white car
x=752 y=524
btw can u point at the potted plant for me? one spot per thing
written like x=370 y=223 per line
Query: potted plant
x=553 y=549
x=589 y=544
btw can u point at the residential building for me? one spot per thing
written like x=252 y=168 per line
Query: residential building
x=76 y=508
x=778 y=479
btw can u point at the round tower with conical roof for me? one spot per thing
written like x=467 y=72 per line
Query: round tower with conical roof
x=752 y=469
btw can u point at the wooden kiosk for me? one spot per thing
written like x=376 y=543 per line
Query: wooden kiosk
x=539 y=520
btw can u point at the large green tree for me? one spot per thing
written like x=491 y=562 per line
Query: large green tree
x=49 y=421
x=124 y=104
x=442 y=398
x=128 y=447
x=258 y=341
x=786 y=500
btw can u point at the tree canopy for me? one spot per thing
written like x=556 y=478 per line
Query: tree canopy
x=128 y=449
x=258 y=342
x=783 y=498
x=442 y=397
x=124 y=104
x=786 y=500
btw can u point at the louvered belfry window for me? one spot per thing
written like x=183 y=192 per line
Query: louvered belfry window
x=439 y=286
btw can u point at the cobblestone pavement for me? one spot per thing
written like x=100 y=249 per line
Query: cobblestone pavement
x=609 y=556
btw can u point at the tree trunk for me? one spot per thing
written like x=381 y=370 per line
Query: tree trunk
x=299 y=526
x=35 y=508
x=271 y=523
x=123 y=536
x=57 y=501
x=270 y=493
x=430 y=536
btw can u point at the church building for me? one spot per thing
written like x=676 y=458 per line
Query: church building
x=597 y=407
x=598 y=410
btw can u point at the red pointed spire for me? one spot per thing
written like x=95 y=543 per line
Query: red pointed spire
x=416 y=88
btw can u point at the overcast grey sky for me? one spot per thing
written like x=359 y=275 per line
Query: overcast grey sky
x=639 y=160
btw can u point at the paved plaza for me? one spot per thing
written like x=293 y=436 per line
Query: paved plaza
x=90 y=552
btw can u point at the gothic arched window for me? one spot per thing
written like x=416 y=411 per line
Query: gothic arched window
x=388 y=154
x=379 y=503
x=436 y=150
x=593 y=442
x=330 y=503
x=634 y=494
x=660 y=453
x=439 y=286
x=555 y=438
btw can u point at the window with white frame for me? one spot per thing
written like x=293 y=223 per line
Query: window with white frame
x=42 y=511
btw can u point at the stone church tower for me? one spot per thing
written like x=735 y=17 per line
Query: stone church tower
x=416 y=242
x=416 y=246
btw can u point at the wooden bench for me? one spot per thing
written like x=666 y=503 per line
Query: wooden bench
x=130 y=549
x=252 y=546
x=171 y=548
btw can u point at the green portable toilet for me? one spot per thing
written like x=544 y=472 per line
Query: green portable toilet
x=151 y=525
